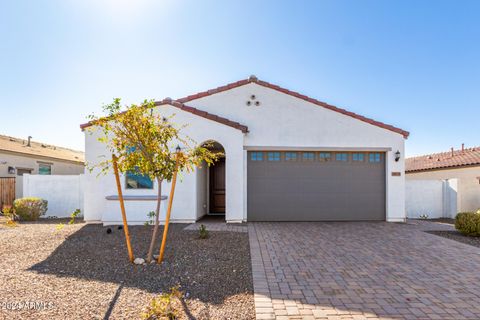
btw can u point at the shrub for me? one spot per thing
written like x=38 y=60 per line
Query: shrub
x=468 y=223
x=7 y=210
x=203 y=232
x=30 y=209
x=164 y=306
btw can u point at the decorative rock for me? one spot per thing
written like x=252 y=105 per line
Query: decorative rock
x=139 y=261
x=109 y=230
x=155 y=256
x=120 y=227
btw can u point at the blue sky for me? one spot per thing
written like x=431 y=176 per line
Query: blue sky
x=412 y=64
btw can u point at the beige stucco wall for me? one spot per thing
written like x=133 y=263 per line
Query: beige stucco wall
x=468 y=197
x=29 y=162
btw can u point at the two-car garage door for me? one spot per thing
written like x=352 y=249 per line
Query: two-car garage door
x=315 y=186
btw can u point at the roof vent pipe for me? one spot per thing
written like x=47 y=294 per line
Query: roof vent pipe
x=28 y=143
x=452 y=151
x=463 y=147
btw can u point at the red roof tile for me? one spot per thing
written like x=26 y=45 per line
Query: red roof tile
x=444 y=160
x=194 y=111
x=254 y=79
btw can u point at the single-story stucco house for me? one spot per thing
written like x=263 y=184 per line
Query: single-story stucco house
x=458 y=169
x=288 y=157
x=25 y=156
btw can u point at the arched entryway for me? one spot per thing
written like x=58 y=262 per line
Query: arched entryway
x=211 y=184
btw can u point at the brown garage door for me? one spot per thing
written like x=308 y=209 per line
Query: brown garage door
x=315 y=186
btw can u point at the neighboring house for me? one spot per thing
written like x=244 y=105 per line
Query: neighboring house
x=19 y=157
x=459 y=169
x=288 y=157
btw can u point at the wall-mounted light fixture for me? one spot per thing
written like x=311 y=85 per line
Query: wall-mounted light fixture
x=11 y=170
x=397 y=155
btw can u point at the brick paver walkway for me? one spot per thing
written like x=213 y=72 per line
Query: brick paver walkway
x=362 y=270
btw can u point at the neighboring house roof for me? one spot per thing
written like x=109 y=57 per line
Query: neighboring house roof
x=254 y=79
x=194 y=111
x=38 y=149
x=444 y=160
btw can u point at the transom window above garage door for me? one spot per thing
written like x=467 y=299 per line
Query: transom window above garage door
x=324 y=156
x=375 y=157
x=308 y=156
x=343 y=156
x=256 y=156
x=273 y=156
x=358 y=157
x=290 y=156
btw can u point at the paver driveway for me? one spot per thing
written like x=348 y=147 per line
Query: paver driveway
x=362 y=270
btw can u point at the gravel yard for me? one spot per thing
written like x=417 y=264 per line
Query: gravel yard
x=457 y=236
x=81 y=272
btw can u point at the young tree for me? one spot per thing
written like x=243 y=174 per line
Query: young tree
x=145 y=142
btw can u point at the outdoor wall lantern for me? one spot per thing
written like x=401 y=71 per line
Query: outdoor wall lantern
x=11 y=170
x=397 y=156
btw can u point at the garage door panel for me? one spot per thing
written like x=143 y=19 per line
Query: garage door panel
x=315 y=190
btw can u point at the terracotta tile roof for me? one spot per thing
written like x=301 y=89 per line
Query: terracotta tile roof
x=194 y=111
x=444 y=160
x=38 y=149
x=254 y=79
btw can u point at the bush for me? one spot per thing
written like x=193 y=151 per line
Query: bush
x=165 y=306
x=30 y=209
x=468 y=223
x=202 y=232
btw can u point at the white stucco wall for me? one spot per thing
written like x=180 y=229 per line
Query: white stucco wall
x=186 y=207
x=59 y=167
x=468 y=196
x=64 y=193
x=280 y=121
x=435 y=198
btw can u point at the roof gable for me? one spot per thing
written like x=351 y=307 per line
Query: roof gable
x=254 y=79
x=195 y=111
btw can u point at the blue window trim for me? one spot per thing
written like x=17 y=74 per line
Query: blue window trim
x=324 y=156
x=256 y=156
x=290 y=156
x=308 y=156
x=375 y=157
x=341 y=157
x=359 y=157
x=273 y=156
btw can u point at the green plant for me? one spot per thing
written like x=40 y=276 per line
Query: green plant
x=74 y=215
x=143 y=141
x=30 y=209
x=468 y=223
x=203 y=232
x=150 y=216
x=164 y=306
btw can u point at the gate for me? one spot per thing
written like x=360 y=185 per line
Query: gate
x=7 y=191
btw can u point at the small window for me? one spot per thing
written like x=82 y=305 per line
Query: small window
x=341 y=156
x=21 y=171
x=256 y=156
x=374 y=157
x=136 y=180
x=308 y=156
x=324 y=156
x=45 y=169
x=290 y=156
x=358 y=157
x=273 y=156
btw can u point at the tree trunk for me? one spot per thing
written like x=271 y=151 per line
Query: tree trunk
x=157 y=221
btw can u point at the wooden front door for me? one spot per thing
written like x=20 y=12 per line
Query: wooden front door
x=217 y=187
